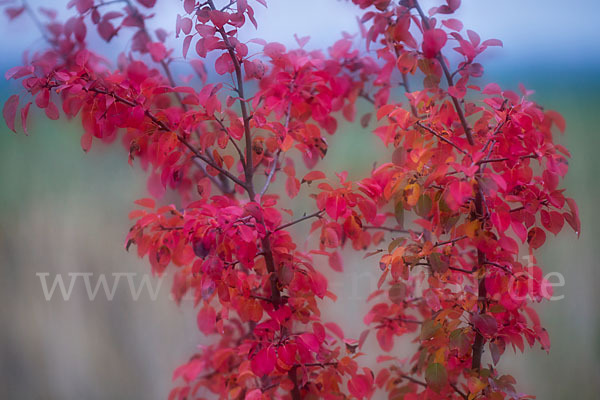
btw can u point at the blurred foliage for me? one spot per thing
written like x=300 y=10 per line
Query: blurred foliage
x=66 y=211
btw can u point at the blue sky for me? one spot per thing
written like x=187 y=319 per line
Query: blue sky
x=555 y=31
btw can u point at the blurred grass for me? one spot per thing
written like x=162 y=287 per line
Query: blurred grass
x=63 y=210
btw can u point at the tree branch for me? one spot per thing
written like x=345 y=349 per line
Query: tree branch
x=162 y=126
x=305 y=217
x=440 y=58
x=439 y=136
x=248 y=171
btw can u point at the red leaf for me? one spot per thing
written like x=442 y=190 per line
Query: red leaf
x=484 y=323
x=292 y=186
x=223 y=64
x=558 y=120
x=24 y=113
x=14 y=12
x=157 y=50
x=264 y=361
x=146 y=202
x=460 y=191
x=453 y=24
x=492 y=42
x=86 y=141
x=10 y=111
x=335 y=206
x=52 y=111
x=43 y=98
x=359 y=386
x=536 y=237
x=106 y=30
x=473 y=37
x=333 y=327
x=492 y=88
x=18 y=72
x=573 y=218
x=189 y=5
x=335 y=262
x=433 y=41
x=207 y=318
x=311 y=341
x=186 y=45
x=219 y=18
x=254 y=69
x=385 y=338
x=147 y=3
x=84 y=5
x=190 y=370
x=313 y=176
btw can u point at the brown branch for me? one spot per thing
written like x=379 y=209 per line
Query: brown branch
x=492 y=160
x=427 y=128
x=386 y=228
x=440 y=58
x=233 y=141
x=451 y=241
x=248 y=171
x=479 y=198
x=406 y=320
x=413 y=380
x=460 y=392
x=162 y=126
x=305 y=217
x=502 y=267
x=222 y=184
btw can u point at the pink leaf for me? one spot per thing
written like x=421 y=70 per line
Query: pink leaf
x=147 y=3
x=311 y=341
x=433 y=41
x=207 y=320
x=14 y=12
x=536 y=237
x=263 y=362
x=484 y=323
x=189 y=5
x=86 y=141
x=219 y=18
x=335 y=262
x=186 y=45
x=223 y=64
x=453 y=24
x=10 y=111
x=313 y=176
x=492 y=42
x=333 y=327
x=18 y=72
x=52 y=111
x=335 y=206
x=24 y=114
x=157 y=50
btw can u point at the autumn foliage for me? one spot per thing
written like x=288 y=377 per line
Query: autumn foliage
x=469 y=185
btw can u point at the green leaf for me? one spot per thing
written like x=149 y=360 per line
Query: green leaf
x=459 y=340
x=438 y=263
x=429 y=329
x=397 y=293
x=424 y=206
x=399 y=212
x=436 y=376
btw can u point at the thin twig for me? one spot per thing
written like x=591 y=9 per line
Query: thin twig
x=305 y=217
x=430 y=130
x=248 y=171
x=162 y=126
x=451 y=241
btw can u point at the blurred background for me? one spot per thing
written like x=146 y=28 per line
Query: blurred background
x=63 y=211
